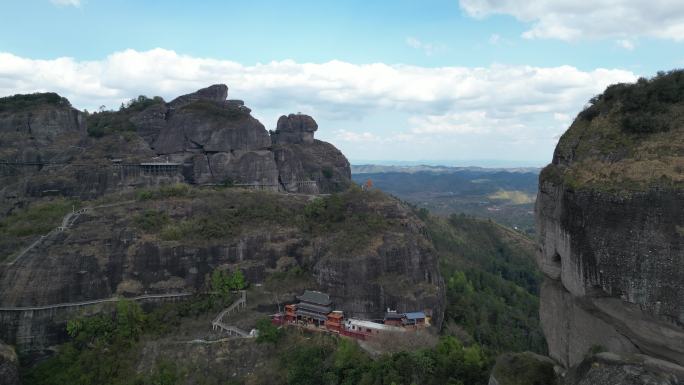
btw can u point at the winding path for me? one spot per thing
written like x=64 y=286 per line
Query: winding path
x=95 y=301
x=67 y=221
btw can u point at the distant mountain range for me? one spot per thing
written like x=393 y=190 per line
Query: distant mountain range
x=504 y=195
x=379 y=168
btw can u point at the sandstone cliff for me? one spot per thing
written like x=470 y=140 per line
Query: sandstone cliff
x=55 y=149
x=610 y=214
x=368 y=251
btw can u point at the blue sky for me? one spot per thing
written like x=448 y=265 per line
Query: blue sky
x=461 y=82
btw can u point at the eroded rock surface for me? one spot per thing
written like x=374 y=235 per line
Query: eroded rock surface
x=610 y=213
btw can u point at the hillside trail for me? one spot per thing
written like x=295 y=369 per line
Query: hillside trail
x=95 y=301
x=67 y=221
x=239 y=304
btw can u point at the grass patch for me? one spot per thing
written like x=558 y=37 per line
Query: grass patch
x=151 y=220
x=348 y=217
x=177 y=190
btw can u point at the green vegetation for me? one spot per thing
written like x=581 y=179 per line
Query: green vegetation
x=644 y=105
x=330 y=360
x=104 y=348
x=627 y=140
x=19 y=103
x=178 y=190
x=151 y=220
x=108 y=122
x=224 y=283
x=339 y=214
x=327 y=172
x=492 y=282
x=268 y=333
x=344 y=217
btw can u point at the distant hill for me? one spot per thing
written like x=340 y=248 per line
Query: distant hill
x=504 y=195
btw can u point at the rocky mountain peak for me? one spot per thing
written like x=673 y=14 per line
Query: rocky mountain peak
x=215 y=93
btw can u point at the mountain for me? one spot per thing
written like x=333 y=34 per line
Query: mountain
x=609 y=211
x=121 y=229
x=504 y=195
x=153 y=211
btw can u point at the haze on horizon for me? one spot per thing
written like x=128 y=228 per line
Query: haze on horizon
x=469 y=82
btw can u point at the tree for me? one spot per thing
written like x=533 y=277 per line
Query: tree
x=267 y=331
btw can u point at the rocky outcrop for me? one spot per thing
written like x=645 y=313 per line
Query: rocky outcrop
x=294 y=129
x=212 y=140
x=610 y=212
x=305 y=164
x=613 y=369
x=597 y=369
x=525 y=368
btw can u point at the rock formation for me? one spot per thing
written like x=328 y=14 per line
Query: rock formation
x=610 y=214
x=304 y=163
x=212 y=140
x=203 y=138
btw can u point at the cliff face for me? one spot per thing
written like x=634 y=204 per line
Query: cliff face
x=109 y=251
x=610 y=213
x=212 y=139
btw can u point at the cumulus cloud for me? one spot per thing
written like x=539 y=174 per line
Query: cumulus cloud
x=74 y=3
x=572 y=19
x=513 y=101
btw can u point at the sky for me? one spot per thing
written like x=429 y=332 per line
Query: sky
x=458 y=82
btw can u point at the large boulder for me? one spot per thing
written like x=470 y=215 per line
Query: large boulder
x=216 y=93
x=295 y=129
x=305 y=164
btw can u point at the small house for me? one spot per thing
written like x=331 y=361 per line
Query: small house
x=415 y=319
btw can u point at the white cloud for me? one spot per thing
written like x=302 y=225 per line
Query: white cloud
x=351 y=136
x=626 y=44
x=494 y=39
x=572 y=19
x=513 y=102
x=428 y=48
x=64 y=3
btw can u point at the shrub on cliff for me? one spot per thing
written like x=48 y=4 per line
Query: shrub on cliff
x=18 y=103
x=108 y=122
x=643 y=106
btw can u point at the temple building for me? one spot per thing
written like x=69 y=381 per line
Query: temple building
x=313 y=307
